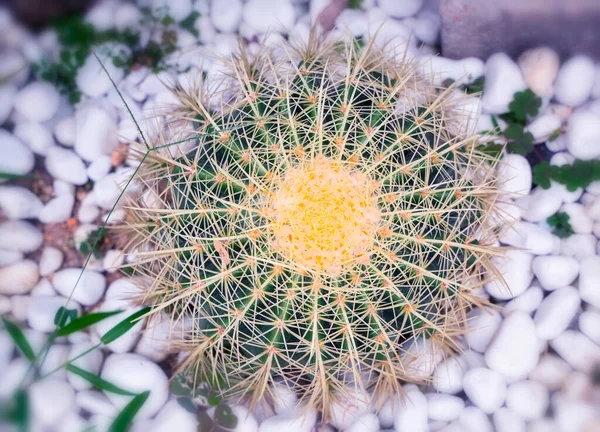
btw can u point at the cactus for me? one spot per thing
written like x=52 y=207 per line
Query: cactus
x=324 y=214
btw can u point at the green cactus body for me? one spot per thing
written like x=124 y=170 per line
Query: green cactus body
x=316 y=229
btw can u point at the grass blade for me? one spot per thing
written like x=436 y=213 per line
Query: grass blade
x=123 y=327
x=98 y=382
x=125 y=417
x=83 y=322
x=19 y=338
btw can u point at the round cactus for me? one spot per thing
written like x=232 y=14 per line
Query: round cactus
x=325 y=219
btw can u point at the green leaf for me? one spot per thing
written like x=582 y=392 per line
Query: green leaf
x=9 y=176
x=493 y=150
x=63 y=316
x=19 y=339
x=84 y=322
x=474 y=87
x=560 y=224
x=354 y=4
x=524 y=104
x=98 y=382
x=541 y=175
x=125 y=417
x=523 y=145
x=123 y=327
x=189 y=22
x=187 y=404
x=16 y=411
x=554 y=135
x=224 y=416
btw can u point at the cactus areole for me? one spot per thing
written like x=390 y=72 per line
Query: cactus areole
x=322 y=222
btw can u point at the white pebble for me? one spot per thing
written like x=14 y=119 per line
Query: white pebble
x=589 y=324
x=578 y=218
x=65 y=165
x=574 y=416
x=514 y=175
x=226 y=15
x=19 y=277
x=37 y=101
x=528 y=398
x=400 y=8
x=19 y=306
x=95 y=402
x=88 y=213
x=173 y=417
x=19 y=203
x=300 y=420
x=506 y=420
x=589 y=280
x=554 y=271
x=50 y=260
x=43 y=288
x=112 y=260
x=62 y=187
x=388 y=410
x=514 y=350
x=448 y=375
x=485 y=388
x=412 y=415
x=284 y=398
x=575 y=81
x=578 y=246
x=347 y=407
x=556 y=312
x=91 y=78
x=539 y=67
x=51 y=399
x=542 y=425
x=95 y=134
x=99 y=168
x=515 y=268
x=483 y=325
x=9 y=257
x=366 y=423
x=543 y=126
x=179 y=10
x=16 y=158
x=20 y=236
x=65 y=131
x=502 y=80
x=136 y=374
x=57 y=209
x=577 y=350
x=155 y=341
x=90 y=362
x=526 y=302
x=473 y=419
x=269 y=15
x=462 y=71
x=583 y=135
x=126 y=342
x=539 y=204
x=42 y=310
x=37 y=137
x=534 y=238
x=551 y=371
x=444 y=407
x=89 y=289
x=7 y=100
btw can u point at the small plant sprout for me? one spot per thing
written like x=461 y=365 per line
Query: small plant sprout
x=319 y=220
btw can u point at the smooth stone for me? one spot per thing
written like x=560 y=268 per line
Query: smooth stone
x=577 y=350
x=400 y=8
x=531 y=237
x=226 y=15
x=95 y=402
x=529 y=399
x=42 y=311
x=43 y=288
x=90 y=362
x=20 y=236
x=388 y=410
x=58 y=209
x=284 y=398
x=95 y=133
x=65 y=131
x=136 y=374
x=462 y=71
x=37 y=101
x=173 y=417
x=589 y=280
x=526 y=302
x=551 y=372
x=506 y=420
x=502 y=80
x=269 y=15
x=347 y=407
x=473 y=419
x=7 y=100
x=539 y=205
x=553 y=272
x=366 y=423
x=91 y=78
x=65 y=165
x=51 y=399
x=412 y=415
x=19 y=203
x=16 y=158
x=578 y=218
x=300 y=420
x=90 y=287
x=126 y=342
x=589 y=324
x=99 y=168
x=448 y=375
x=579 y=246
x=485 y=388
x=483 y=325
x=575 y=81
x=156 y=337
x=583 y=135
x=179 y=10
x=556 y=312
x=9 y=257
x=544 y=126
x=513 y=351
x=539 y=67
x=515 y=268
x=37 y=137
x=514 y=176
x=18 y=278
x=444 y=407
x=574 y=415
x=50 y=260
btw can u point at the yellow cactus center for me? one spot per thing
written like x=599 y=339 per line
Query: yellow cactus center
x=325 y=215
